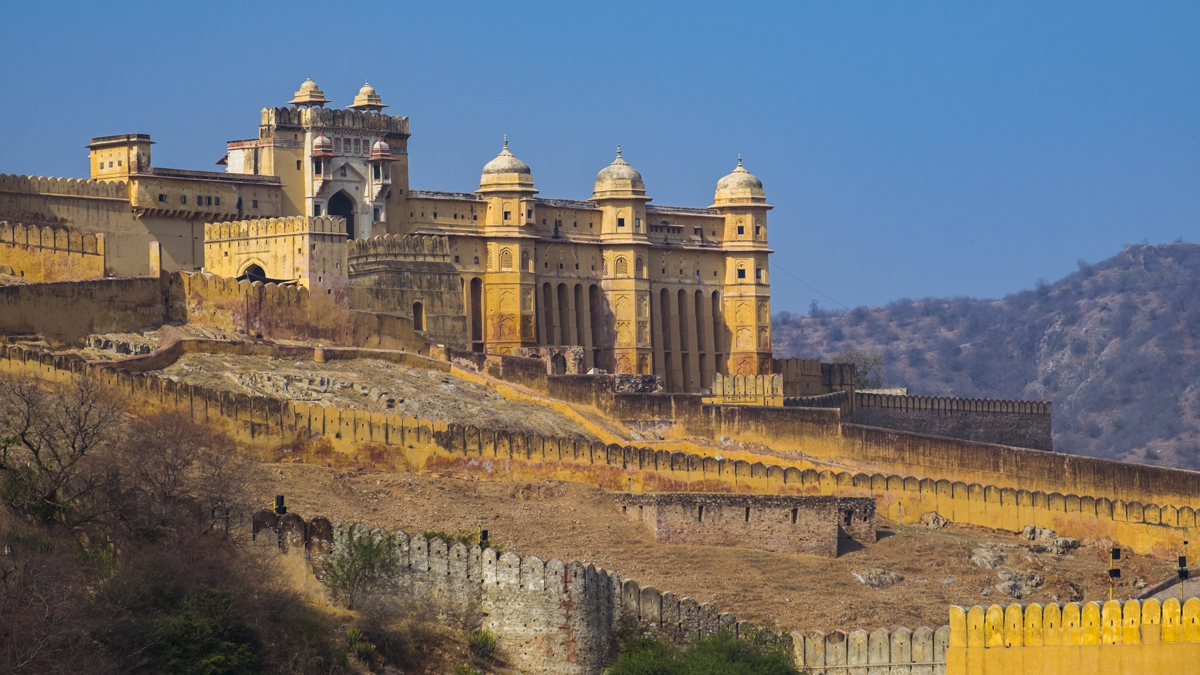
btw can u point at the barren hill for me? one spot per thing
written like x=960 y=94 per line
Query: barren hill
x=1112 y=345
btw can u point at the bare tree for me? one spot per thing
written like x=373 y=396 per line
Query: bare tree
x=50 y=438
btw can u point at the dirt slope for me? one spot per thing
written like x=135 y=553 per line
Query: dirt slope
x=577 y=521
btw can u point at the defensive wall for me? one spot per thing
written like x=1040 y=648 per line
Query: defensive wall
x=68 y=311
x=412 y=275
x=816 y=525
x=84 y=205
x=760 y=390
x=1114 y=638
x=333 y=436
x=560 y=618
x=810 y=377
x=41 y=254
x=1021 y=424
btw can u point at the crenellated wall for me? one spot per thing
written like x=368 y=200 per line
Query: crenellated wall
x=760 y=390
x=1023 y=424
x=1131 y=638
x=86 y=205
x=557 y=618
x=40 y=254
x=393 y=442
x=410 y=276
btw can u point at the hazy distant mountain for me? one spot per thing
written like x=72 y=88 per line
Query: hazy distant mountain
x=1113 y=345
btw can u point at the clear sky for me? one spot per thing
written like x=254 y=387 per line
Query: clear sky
x=909 y=148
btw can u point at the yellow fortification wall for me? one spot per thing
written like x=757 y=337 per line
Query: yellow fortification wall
x=399 y=443
x=1133 y=638
x=38 y=254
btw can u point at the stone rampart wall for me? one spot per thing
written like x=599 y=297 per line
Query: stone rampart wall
x=1130 y=638
x=84 y=205
x=558 y=618
x=66 y=312
x=810 y=524
x=810 y=377
x=398 y=443
x=40 y=254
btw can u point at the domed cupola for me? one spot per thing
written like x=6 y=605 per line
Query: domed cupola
x=506 y=173
x=322 y=146
x=739 y=187
x=381 y=152
x=367 y=100
x=309 y=95
x=618 y=180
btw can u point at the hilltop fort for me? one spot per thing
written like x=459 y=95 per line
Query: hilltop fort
x=308 y=302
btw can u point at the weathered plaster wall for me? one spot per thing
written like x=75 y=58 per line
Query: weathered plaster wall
x=557 y=618
x=50 y=253
x=1021 y=424
x=1134 y=638
x=808 y=524
x=68 y=311
x=406 y=276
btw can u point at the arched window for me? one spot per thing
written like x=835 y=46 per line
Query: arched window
x=505 y=260
x=639 y=268
x=418 y=316
x=604 y=267
x=489 y=260
x=622 y=267
x=525 y=264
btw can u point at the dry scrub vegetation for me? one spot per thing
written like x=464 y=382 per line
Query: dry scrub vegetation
x=575 y=521
x=124 y=548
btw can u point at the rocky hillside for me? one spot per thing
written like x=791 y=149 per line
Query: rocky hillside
x=1115 y=346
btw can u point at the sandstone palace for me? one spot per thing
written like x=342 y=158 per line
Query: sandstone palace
x=680 y=292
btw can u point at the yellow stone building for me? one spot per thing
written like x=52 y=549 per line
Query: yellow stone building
x=681 y=292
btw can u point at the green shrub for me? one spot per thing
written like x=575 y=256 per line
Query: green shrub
x=720 y=654
x=467 y=669
x=360 y=561
x=482 y=643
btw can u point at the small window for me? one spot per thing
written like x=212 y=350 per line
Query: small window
x=758 y=274
x=455 y=258
x=620 y=222
x=741 y=273
x=208 y=201
x=376 y=214
x=474 y=217
x=226 y=254
x=637 y=224
x=298 y=165
x=317 y=167
x=747 y=514
x=216 y=201
x=589 y=226
x=254 y=203
x=162 y=199
x=507 y=215
x=847 y=517
x=741 y=229
x=700 y=513
x=343 y=172
x=455 y=216
x=435 y=215
x=316 y=209
x=795 y=512
x=182 y=199
x=110 y=163
x=476 y=260
x=757 y=230
x=529 y=214
x=575 y=224
x=118 y=162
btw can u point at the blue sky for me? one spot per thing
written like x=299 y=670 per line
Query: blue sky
x=910 y=149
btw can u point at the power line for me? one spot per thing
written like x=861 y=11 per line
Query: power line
x=781 y=269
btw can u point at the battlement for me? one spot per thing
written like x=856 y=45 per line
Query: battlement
x=766 y=390
x=399 y=247
x=269 y=227
x=67 y=187
x=951 y=404
x=56 y=238
x=810 y=377
x=333 y=118
x=1113 y=637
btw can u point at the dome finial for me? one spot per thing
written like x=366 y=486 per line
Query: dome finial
x=739 y=160
x=618 y=151
x=505 y=141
